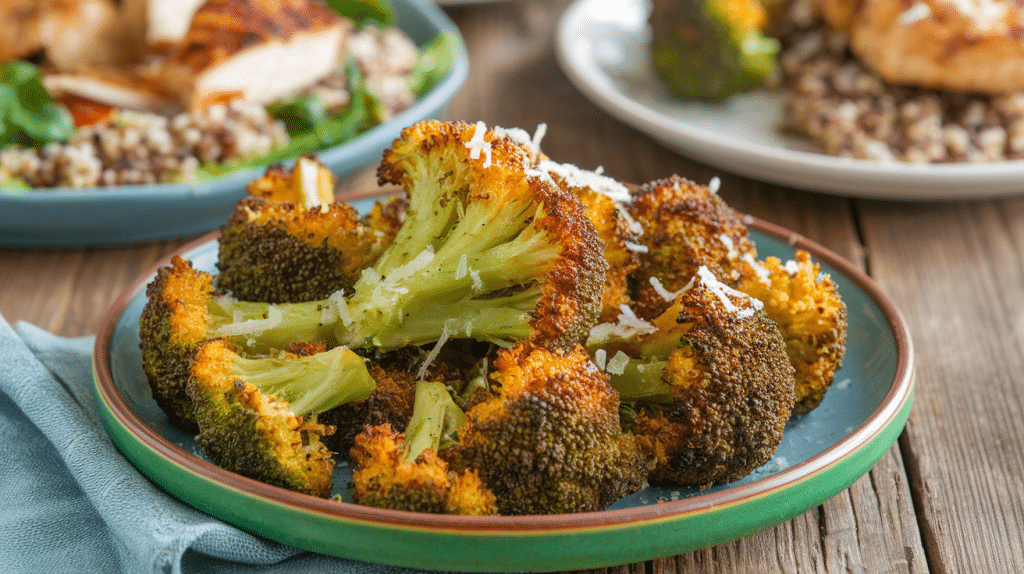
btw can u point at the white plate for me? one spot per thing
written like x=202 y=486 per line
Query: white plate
x=603 y=47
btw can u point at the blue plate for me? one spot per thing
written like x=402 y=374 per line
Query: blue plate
x=67 y=217
x=821 y=454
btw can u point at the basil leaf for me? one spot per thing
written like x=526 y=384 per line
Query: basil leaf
x=299 y=114
x=436 y=60
x=30 y=116
x=362 y=10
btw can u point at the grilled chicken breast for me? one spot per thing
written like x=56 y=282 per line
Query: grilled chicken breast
x=261 y=50
x=956 y=45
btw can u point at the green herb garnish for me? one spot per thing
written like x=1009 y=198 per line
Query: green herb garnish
x=28 y=114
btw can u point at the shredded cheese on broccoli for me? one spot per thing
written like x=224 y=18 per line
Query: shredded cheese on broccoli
x=478 y=145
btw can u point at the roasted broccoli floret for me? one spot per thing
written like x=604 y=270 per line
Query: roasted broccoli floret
x=280 y=248
x=711 y=49
x=184 y=310
x=309 y=184
x=550 y=441
x=812 y=317
x=490 y=249
x=257 y=416
x=604 y=199
x=685 y=226
x=387 y=217
x=403 y=471
x=174 y=322
x=397 y=373
x=708 y=380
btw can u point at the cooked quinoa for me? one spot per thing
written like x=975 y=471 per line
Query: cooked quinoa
x=146 y=148
x=850 y=112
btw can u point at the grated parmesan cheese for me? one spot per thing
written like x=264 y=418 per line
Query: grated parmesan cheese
x=627 y=325
x=341 y=307
x=723 y=291
x=729 y=244
x=715 y=184
x=761 y=271
x=478 y=145
x=463 y=267
x=915 y=13
x=538 y=135
x=581 y=178
x=449 y=327
x=665 y=293
x=617 y=364
x=309 y=177
x=478 y=285
x=636 y=247
x=633 y=224
x=403 y=272
x=600 y=358
x=274 y=318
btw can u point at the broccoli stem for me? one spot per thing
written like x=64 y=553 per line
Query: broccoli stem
x=640 y=382
x=311 y=384
x=408 y=299
x=435 y=421
x=498 y=320
x=265 y=327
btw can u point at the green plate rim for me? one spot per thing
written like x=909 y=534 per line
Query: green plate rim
x=512 y=543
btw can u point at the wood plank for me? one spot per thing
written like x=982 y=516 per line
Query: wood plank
x=955 y=272
x=38 y=285
x=870 y=527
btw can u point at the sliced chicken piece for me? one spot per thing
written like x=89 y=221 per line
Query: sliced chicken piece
x=261 y=50
x=161 y=22
x=955 y=45
x=115 y=88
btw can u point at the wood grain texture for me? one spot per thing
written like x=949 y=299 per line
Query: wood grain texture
x=954 y=270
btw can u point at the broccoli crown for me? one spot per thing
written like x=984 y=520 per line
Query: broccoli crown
x=490 y=249
x=310 y=183
x=614 y=226
x=713 y=386
x=386 y=478
x=248 y=431
x=550 y=442
x=284 y=253
x=685 y=226
x=183 y=311
x=711 y=49
x=174 y=322
x=812 y=317
x=387 y=217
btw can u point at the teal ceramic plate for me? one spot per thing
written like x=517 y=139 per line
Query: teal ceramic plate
x=66 y=217
x=821 y=454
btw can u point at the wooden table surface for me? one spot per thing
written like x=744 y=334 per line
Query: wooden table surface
x=947 y=498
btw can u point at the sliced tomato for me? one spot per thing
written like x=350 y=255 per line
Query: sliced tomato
x=86 y=112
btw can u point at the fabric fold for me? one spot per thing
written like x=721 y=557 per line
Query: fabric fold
x=70 y=502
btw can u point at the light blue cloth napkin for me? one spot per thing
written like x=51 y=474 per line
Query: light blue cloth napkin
x=70 y=502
